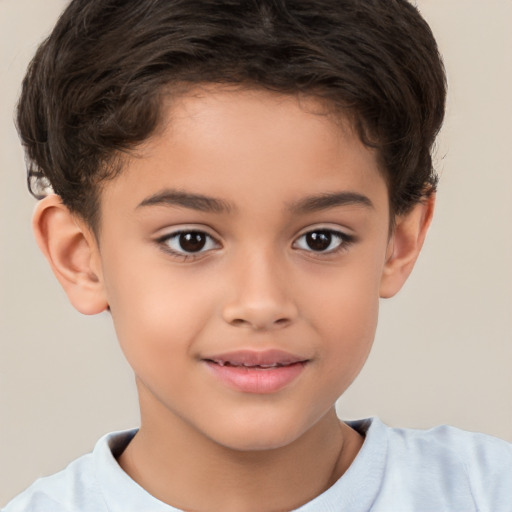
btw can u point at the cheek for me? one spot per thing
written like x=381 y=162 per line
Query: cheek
x=349 y=328
x=153 y=308
x=345 y=311
x=346 y=298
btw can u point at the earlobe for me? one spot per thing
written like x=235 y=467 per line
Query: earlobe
x=71 y=250
x=405 y=245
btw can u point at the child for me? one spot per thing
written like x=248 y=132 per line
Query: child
x=238 y=183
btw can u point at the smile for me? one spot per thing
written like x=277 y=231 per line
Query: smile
x=256 y=372
x=237 y=364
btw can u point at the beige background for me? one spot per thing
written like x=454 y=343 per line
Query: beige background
x=443 y=352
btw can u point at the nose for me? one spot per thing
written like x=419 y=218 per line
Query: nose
x=260 y=297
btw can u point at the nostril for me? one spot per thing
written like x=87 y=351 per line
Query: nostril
x=259 y=315
x=238 y=321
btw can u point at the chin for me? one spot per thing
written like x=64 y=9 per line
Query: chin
x=256 y=437
x=256 y=444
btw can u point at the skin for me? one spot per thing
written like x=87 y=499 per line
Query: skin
x=255 y=285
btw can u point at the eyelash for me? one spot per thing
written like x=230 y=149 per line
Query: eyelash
x=344 y=242
x=164 y=243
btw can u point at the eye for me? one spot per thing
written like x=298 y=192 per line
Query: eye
x=323 y=241
x=188 y=242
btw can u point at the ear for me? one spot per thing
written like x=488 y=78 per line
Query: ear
x=71 y=249
x=405 y=245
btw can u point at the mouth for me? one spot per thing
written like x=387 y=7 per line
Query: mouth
x=266 y=359
x=238 y=364
x=257 y=372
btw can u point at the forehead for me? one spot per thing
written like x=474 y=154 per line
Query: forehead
x=252 y=117
x=249 y=146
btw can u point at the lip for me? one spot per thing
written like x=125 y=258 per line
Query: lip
x=258 y=372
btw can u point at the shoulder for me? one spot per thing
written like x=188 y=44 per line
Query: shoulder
x=77 y=488
x=453 y=461
x=58 y=492
x=444 y=444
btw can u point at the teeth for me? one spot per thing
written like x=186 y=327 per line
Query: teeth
x=237 y=364
x=272 y=365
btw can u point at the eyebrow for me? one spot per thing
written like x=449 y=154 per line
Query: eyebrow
x=330 y=200
x=199 y=202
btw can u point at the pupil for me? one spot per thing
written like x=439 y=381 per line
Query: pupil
x=192 y=242
x=319 y=240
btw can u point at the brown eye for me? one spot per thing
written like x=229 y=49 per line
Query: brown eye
x=327 y=241
x=192 y=242
x=319 y=240
x=185 y=243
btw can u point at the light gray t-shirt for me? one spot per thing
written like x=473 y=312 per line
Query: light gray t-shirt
x=397 y=470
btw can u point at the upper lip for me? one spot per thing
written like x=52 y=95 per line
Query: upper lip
x=263 y=358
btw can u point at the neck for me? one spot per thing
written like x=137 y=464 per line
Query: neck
x=180 y=466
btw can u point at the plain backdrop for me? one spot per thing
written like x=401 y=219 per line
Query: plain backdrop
x=443 y=352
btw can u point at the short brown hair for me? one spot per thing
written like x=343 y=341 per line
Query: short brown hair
x=94 y=87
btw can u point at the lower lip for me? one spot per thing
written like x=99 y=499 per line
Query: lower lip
x=257 y=380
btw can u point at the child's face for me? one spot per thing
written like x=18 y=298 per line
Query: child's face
x=249 y=230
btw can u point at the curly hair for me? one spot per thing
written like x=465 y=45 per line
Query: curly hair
x=94 y=88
